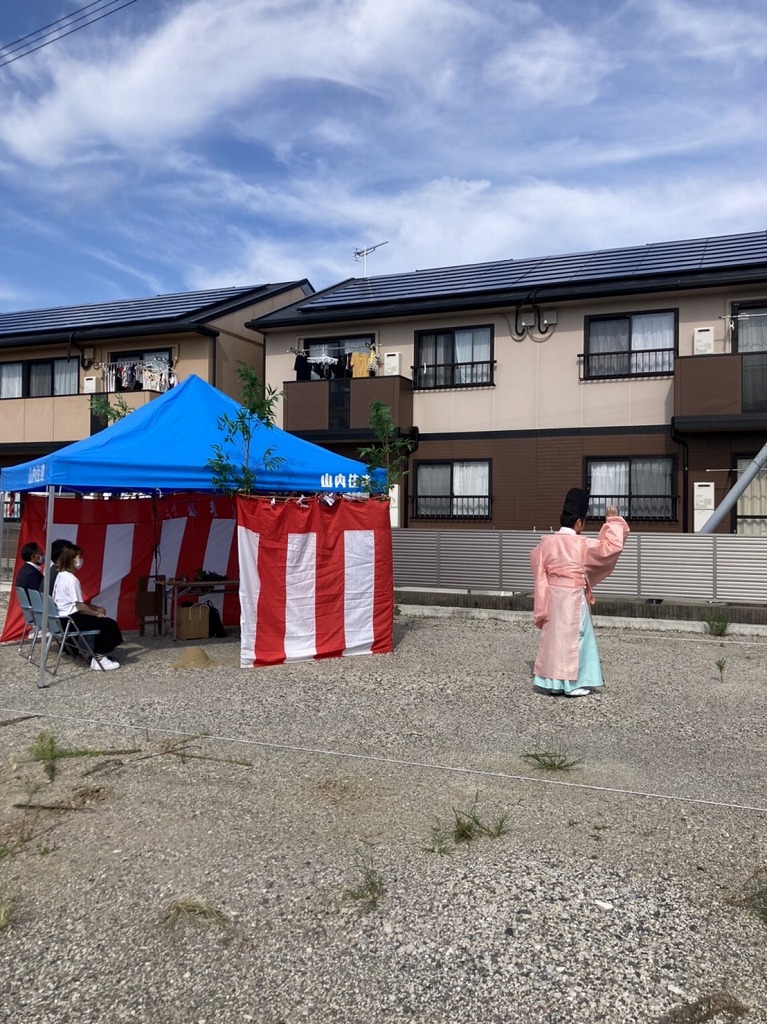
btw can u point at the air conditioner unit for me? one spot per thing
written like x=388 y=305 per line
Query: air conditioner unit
x=392 y=364
x=703 y=341
x=92 y=384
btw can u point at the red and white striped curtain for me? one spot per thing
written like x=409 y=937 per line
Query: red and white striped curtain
x=316 y=579
x=124 y=539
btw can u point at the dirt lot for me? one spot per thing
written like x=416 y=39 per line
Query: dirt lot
x=284 y=845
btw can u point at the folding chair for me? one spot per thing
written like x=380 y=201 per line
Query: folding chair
x=31 y=630
x=63 y=630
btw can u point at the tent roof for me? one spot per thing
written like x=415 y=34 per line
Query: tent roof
x=166 y=444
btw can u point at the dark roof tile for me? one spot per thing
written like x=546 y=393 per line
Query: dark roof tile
x=181 y=306
x=629 y=264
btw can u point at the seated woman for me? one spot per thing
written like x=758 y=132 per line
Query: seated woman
x=68 y=597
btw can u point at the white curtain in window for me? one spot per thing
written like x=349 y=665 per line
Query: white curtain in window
x=10 y=380
x=652 y=331
x=752 y=330
x=464 y=354
x=651 y=478
x=752 y=504
x=66 y=376
x=471 y=486
x=435 y=360
x=472 y=347
x=39 y=380
x=433 y=482
x=609 y=486
x=608 y=340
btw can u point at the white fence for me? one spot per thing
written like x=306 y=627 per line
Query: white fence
x=723 y=568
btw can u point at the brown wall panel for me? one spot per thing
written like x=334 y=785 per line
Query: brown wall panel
x=530 y=475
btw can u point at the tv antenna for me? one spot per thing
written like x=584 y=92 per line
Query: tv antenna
x=362 y=254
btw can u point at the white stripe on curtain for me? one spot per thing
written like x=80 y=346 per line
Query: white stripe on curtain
x=301 y=597
x=359 y=591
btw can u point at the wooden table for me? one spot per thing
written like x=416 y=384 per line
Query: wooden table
x=175 y=590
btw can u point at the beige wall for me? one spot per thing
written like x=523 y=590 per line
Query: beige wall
x=537 y=383
x=238 y=344
x=67 y=418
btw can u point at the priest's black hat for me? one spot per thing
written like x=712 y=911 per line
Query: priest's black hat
x=576 y=503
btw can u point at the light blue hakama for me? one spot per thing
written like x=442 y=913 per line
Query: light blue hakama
x=589 y=669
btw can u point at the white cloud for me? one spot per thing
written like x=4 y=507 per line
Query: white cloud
x=722 y=32
x=213 y=57
x=552 y=65
x=450 y=222
x=239 y=141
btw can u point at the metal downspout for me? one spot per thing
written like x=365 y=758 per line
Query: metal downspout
x=46 y=585
x=678 y=439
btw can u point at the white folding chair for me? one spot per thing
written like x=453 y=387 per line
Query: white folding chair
x=31 y=630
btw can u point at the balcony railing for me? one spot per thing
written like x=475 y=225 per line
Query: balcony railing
x=453 y=375
x=635 y=506
x=464 y=506
x=650 y=362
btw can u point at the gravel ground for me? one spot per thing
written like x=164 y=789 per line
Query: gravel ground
x=275 y=795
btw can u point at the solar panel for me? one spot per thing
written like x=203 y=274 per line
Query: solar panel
x=685 y=256
x=106 y=314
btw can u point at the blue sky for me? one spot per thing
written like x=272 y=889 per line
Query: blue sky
x=183 y=144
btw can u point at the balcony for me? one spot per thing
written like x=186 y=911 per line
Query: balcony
x=55 y=421
x=721 y=392
x=339 y=409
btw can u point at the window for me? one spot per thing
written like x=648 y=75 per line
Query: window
x=326 y=358
x=40 y=379
x=55 y=377
x=11 y=377
x=450 y=359
x=640 y=488
x=749 y=339
x=138 y=371
x=635 y=345
x=749 y=324
x=751 y=509
x=452 y=490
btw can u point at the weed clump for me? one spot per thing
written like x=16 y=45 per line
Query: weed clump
x=718 y=623
x=753 y=895
x=466 y=827
x=7 y=907
x=706 y=1009
x=553 y=760
x=367 y=893
x=193 y=909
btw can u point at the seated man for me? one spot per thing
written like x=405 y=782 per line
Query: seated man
x=30 y=575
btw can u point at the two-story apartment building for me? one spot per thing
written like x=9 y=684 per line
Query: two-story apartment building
x=639 y=373
x=52 y=361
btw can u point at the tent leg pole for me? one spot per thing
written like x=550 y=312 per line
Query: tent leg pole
x=2 y=537
x=46 y=578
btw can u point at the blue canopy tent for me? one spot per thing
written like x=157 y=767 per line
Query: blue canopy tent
x=166 y=445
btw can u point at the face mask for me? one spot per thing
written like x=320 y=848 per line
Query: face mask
x=41 y=559
x=78 y=563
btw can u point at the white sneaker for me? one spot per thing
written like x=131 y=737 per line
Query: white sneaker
x=104 y=664
x=580 y=692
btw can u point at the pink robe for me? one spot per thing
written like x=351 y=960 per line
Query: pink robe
x=564 y=564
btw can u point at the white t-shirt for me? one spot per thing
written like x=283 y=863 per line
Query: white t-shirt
x=67 y=593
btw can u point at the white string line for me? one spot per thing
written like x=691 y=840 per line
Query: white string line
x=400 y=762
